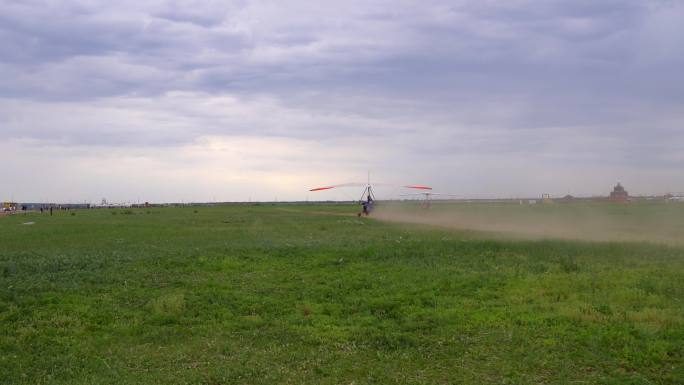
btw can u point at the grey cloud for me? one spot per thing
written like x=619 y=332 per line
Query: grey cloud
x=204 y=14
x=486 y=47
x=471 y=77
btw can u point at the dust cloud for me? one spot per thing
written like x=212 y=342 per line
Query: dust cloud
x=650 y=222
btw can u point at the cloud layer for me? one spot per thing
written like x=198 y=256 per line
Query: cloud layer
x=474 y=97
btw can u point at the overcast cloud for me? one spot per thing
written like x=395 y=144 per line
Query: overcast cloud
x=203 y=100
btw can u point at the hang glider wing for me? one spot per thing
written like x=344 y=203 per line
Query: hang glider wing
x=429 y=193
x=418 y=187
x=338 y=185
x=410 y=186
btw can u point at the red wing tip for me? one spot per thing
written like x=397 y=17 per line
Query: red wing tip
x=321 y=188
x=419 y=187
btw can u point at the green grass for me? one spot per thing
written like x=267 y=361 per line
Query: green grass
x=295 y=294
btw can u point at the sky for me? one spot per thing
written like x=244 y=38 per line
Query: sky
x=169 y=101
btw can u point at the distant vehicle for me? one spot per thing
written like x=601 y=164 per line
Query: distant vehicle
x=9 y=206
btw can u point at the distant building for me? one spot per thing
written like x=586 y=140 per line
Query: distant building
x=619 y=194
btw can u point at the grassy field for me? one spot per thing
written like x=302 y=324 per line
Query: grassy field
x=312 y=295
